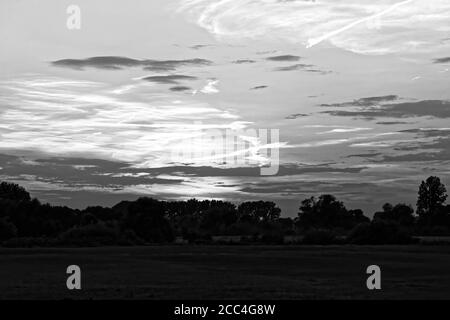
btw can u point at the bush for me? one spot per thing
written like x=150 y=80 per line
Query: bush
x=379 y=232
x=272 y=238
x=320 y=237
x=250 y=239
x=7 y=229
x=30 y=242
x=197 y=237
x=91 y=235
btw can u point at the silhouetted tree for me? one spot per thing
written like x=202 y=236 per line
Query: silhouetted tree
x=258 y=211
x=356 y=216
x=13 y=191
x=147 y=218
x=401 y=213
x=432 y=195
x=217 y=219
x=27 y=222
x=327 y=212
x=101 y=213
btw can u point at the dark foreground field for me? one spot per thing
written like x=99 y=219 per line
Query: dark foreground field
x=227 y=272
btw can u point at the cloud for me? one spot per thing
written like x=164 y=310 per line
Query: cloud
x=210 y=171
x=442 y=60
x=180 y=88
x=81 y=182
x=169 y=79
x=375 y=107
x=296 y=115
x=304 y=67
x=170 y=65
x=79 y=173
x=242 y=61
x=71 y=120
x=314 y=41
x=420 y=145
x=118 y=63
x=211 y=87
x=200 y=46
x=345 y=130
x=284 y=58
x=259 y=87
x=294 y=67
x=435 y=146
x=362 y=26
x=364 y=102
x=364 y=155
x=392 y=122
x=318 y=71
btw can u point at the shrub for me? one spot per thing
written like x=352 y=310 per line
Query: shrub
x=379 y=232
x=90 y=235
x=30 y=242
x=320 y=237
x=249 y=239
x=197 y=237
x=272 y=237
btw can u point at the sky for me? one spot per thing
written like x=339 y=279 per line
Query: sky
x=125 y=106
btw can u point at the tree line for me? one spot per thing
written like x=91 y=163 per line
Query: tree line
x=26 y=222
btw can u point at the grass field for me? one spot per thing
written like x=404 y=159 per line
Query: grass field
x=227 y=272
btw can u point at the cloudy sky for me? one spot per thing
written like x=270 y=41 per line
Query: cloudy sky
x=359 y=91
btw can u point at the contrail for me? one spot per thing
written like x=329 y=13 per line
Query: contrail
x=313 y=42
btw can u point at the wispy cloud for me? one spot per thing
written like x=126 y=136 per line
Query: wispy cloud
x=169 y=79
x=118 y=63
x=315 y=41
x=211 y=87
x=366 y=27
x=46 y=117
x=180 y=88
x=369 y=109
x=284 y=58
x=344 y=130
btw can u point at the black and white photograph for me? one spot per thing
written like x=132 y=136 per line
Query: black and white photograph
x=224 y=150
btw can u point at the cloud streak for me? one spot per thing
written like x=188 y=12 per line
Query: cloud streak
x=168 y=79
x=316 y=41
x=41 y=117
x=119 y=63
x=366 y=27
x=370 y=110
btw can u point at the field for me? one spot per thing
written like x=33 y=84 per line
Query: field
x=227 y=272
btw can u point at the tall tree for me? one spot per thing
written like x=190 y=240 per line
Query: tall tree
x=432 y=195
